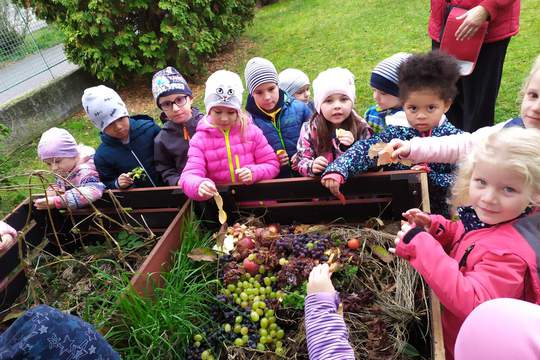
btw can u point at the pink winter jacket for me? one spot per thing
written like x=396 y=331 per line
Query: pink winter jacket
x=215 y=154
x=448 y=149
x=503 y=17
x=465 y=269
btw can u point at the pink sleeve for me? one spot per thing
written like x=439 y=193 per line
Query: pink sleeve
x=194 y=172
x=496 y=275
x=444 y=230
x=266 y=162
x=305 y=151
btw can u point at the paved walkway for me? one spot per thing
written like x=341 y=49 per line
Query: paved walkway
x=31 y=73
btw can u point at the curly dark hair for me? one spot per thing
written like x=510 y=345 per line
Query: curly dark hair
x=435 y=71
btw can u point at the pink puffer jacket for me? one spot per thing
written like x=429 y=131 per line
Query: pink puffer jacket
x=215 y=154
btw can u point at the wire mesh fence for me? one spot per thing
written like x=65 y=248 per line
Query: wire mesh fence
x=28 y=47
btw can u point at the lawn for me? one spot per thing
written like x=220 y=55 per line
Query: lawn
x=41 y=39
x=313 y=35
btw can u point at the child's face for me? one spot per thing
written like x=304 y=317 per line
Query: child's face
x=424 y=109
x=303 y=94
x=336 y=108
x=266 y=96
x=497 y=195
x=61 y=165
x=530 y=105
x=223 y=117
x=176 y=107
x=118 y=129
x=384 y=100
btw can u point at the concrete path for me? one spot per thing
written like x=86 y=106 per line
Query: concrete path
x=31 y=73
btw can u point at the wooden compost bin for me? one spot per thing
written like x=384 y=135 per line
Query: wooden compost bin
x=303 y=200
x=161 y=209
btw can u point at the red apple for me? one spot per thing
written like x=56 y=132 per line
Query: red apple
x=353 y=244
x=251 y=266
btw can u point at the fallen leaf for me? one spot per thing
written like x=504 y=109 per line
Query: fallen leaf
x=374 y=223
x=202 y=254
x=13 y=315
x=382 y=253
x=221 y=213
x=220 y=235
x=384 y=153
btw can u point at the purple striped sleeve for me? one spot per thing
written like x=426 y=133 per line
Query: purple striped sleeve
x=327 y=334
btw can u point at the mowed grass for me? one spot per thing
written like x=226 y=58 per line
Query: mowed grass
x=313 y=35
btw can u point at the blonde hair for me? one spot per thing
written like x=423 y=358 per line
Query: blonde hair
x=535 y=68
x=515 y=149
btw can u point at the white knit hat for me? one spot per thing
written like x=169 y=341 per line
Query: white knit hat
x=223 y=88
x=292 y=80
x=333 y=81
x=103 y=106
x=259 y=71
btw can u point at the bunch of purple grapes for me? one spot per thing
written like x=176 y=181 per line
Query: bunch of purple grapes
x=310 y=245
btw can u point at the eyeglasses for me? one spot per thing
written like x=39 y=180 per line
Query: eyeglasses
x=168 y=105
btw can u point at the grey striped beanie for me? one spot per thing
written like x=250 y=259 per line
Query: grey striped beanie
x=259 y=71
x=385 y=76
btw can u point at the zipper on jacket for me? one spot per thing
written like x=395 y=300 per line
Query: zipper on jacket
x=463 y=260
x=229 y=153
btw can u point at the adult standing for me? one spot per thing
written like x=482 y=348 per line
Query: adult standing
x=474 y=107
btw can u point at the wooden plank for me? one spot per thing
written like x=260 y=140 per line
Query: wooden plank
x=148 y=275
x=160 y=197
x=437 y=339
x=10 y=290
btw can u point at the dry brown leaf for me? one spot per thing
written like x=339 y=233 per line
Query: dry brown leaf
x=384 y=152
x=202 y=254
x=382 y=253
x=221 y=213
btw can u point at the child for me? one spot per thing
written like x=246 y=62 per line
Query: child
x=384 y=82
x=334 y=127
x=127 y=142
x=326 y=332
x=450 y=149
x=296 y=83
x=227 y=147
x=427 y=85
x=77 y=183
x=279 y=115
x=492 y=251
x=173 y=96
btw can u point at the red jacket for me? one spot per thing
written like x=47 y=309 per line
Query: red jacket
x=501 y=263
x=503 y=23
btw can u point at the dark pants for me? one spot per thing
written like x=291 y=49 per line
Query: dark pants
x=474 y=105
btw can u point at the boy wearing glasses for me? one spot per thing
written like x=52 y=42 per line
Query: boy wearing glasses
x=127 y=142
x=174 y=98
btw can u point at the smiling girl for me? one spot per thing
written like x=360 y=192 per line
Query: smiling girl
x=334 y=127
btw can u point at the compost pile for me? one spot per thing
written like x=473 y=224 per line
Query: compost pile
x=263 y=272
x=83 y=282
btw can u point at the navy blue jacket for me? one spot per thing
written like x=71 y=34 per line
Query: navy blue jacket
x=113 y=158
x=284 y=133
x=356 y=160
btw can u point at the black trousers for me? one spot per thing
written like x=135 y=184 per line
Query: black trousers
x=474 y=105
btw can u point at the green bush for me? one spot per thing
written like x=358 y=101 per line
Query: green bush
x=118 y=39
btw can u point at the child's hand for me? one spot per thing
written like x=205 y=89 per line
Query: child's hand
x=345 y=137
x=282 y=157
x=53 y=190
x=332 y=185
x=418 y=218
x=124 y=181
x=402 y=148
x=405 y=227
x=245 y=175
x=207 y=189
x=319 y=164
x=7 y=235
x=44 y=203
x=319 y=280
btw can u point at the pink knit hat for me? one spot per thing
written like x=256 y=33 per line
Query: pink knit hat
x=57 y=143
x=333 y=81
